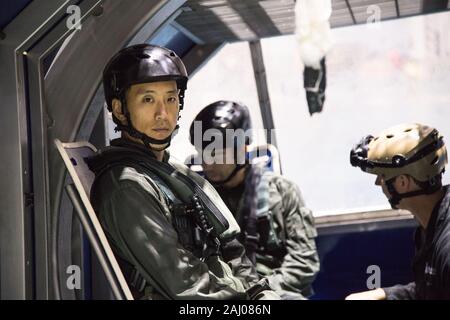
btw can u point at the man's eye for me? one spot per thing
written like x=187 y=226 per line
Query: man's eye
x=172 y=99
x=148 y=99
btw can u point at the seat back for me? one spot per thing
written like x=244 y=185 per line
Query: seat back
x=73 y=155
x=267 y=154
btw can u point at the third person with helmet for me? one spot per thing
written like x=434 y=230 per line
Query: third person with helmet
x=277 y=228
x=409 y=161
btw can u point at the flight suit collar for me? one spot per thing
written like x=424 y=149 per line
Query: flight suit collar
x=127 y=143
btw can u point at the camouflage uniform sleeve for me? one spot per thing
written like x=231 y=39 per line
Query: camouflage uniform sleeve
x=301 y=263
x=139 y=228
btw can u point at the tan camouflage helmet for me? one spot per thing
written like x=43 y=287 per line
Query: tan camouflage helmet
x=411 y=149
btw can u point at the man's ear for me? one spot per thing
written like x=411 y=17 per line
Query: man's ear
x=117 y=111
x=405 y=183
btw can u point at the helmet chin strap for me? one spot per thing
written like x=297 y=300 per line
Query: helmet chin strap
x=233 y=173
x=397 y=197
x=230 y=176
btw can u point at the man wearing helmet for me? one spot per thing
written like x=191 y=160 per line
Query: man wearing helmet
x=409 y=161
x=165 y=224
x=277 y=229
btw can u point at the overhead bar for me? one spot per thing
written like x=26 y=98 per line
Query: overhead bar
x=263 y=92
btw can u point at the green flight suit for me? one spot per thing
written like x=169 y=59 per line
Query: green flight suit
x=277 y=230
x=135 y=211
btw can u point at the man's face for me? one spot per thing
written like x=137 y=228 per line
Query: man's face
x=218 y=165
x=154 y=108
x=401 y=184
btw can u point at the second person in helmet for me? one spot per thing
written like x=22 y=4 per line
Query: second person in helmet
x=277 y=228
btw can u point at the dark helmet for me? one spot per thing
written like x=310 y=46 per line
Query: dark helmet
x=223 y=115
x=141 y=63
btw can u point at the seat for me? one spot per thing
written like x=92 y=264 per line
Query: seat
x=267 y=154
x=73 y=155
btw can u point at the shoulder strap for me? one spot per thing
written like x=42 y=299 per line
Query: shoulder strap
x=262 y=193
